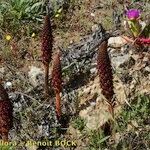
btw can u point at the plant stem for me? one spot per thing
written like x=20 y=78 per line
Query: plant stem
x=111 y=110
x=46 y=89
x=58 y=105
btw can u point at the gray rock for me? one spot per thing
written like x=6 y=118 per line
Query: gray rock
x=8 y=85
x=147 y=68
x=116 y=41
x=120 y=59
x=93 y=70
x=35 y=75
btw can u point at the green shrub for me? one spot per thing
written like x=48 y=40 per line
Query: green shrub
x=131 y=127
x=15 y=14
x=97 y=140
x=79 y=123
x=22 y=10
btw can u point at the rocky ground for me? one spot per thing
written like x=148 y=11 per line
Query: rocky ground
x=83 y=105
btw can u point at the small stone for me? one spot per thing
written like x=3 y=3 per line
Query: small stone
x=2 y=70
x=8 y=85
x=125 y=24
x=146 y=59
x=112 y=50
x=117 y=137
x=95 y=28
x=87 y=90
x=92 y=14
x=135 y=56
x=17 y=107
x=129 y=127
x=13 y=96
x=120 y=60
x=40 y=131
x=147 y=69
x=130 y=52
x=116 y=42
x=143 y=24
x=93 y=103
x=71 y=42
x=134 y=123
x=35 y=74
x=93 y=70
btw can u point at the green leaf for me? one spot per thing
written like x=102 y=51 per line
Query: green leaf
x=38 y=4
x=103 y=139
x=146 y=31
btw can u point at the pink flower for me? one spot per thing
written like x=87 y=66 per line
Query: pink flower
x=133 y=14
x=143 y=41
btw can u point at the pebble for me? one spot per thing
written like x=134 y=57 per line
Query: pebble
x=93 y=70
x=147 y=69
x=95 y=28
x=119 y=60
x=116 y=42
x=34 y=75
x=92 y=14
x=8 y=85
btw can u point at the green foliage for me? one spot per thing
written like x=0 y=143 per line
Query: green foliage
x=97 y=140
x=78 y=123
x=56 y=6
x=139 y=111
x=15 y=13
x=5 y=147
x=131 y=127
x=22 y=9
x=135 y=27
x=19 y=15
x=146 y=31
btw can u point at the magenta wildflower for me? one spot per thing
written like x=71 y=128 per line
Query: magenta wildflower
x=133 y=14
x=143 y=41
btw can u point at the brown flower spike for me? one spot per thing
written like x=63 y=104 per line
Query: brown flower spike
x=57 y=82
x=105 y=74
x=47 y=41
x=47 y=44
x=6 y=114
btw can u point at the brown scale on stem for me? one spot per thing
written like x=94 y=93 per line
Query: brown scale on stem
x=105 y=75
x=47 y=44
x=6 y=114
x=47 y=41
x=106 y=83
x=57 y=82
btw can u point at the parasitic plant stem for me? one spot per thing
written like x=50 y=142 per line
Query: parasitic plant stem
x=57 y=83
x=106 y=83
x=58 y=106
x=6 y=114
x=105 y=75
x=46 y=86
x=47 y=44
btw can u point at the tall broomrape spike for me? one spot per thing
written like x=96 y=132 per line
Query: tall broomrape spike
x=6 y=114
x=57 y=82
x=105 y=75
x=47 y=44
